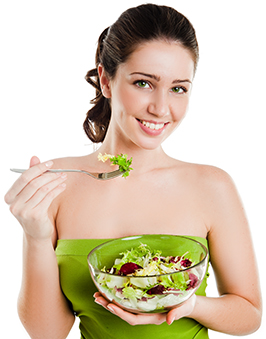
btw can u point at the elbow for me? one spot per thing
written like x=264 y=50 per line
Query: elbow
x=22 y=313
x=254 y=323
x=257 y=316
x=257 y=320
x=26 y=319
x=39 y=326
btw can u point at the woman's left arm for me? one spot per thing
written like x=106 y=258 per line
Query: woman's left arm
x=238 y=309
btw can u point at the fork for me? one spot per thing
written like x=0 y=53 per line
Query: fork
x=98 y=176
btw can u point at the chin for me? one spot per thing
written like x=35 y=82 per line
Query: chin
x=148 y=144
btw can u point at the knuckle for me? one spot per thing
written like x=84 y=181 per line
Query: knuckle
x=159 y=319
x=7 y=198
x=35 y=215
x=43 y=189
x=13 y=209
x=133 y=322
x=41 y=167
x=160 y=322
x=25 y=178
x=34 y=184
x=52 y=194
x=17 y=211
x=22 y=214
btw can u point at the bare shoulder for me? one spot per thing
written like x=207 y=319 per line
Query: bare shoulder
x=207 y=176
x=218 y=183
x=214 y=177
x=214 y=190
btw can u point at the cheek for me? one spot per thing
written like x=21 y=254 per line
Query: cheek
x=180 y=109
x=128 y=102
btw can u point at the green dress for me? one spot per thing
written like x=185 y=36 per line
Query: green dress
x=95 y=321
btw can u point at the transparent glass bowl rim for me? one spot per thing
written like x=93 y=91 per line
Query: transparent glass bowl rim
x=96 y=270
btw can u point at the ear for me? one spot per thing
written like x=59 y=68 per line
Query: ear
x=104 y=82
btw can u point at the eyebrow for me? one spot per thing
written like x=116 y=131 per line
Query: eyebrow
x=157 y=78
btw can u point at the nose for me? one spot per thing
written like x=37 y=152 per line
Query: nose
x=159 y=104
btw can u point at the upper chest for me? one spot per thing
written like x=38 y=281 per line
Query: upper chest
x=119 y=208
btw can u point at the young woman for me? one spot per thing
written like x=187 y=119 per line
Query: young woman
x=145 y=65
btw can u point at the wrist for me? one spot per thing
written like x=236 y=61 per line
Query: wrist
x=38 y=255
x=33 y=242
x=196 y=309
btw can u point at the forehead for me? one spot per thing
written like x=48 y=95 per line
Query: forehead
x=165 y=59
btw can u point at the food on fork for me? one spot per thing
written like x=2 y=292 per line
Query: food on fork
x=120 y=160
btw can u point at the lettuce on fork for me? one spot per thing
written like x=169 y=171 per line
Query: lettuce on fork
x=120 y=160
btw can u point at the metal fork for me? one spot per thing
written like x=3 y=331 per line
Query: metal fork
x=98 y=176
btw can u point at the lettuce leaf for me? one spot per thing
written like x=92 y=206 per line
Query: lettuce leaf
x=140 y=255
x=123 y=163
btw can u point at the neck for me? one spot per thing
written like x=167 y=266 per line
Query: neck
x=142 y=159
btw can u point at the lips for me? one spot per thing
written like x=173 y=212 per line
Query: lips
x=152 y=127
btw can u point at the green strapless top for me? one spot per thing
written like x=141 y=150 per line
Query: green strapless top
x=95 y=321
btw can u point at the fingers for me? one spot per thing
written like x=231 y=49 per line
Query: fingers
x=141 y=319
x=182 y=311
x=36 y=190
x=137 y=319
x=34 y=161
x=34 y=200
x=25 y=179
x=36 y=209
x=132 y=319
x=100 y=300
x=32 y=194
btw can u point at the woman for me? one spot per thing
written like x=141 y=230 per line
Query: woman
x=145 y=65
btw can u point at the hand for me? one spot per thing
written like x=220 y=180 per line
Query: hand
x=32 y=194
x=154 y=318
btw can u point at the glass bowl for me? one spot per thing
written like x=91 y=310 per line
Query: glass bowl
x=148 y=294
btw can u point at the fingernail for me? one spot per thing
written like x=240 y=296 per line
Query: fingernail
x=49 y=163
x=111 y=309
x=171 y=322
x=97 y=302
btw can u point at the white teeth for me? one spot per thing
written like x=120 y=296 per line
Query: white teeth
x=152 y=125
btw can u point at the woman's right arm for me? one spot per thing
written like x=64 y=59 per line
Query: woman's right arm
x=42 y=307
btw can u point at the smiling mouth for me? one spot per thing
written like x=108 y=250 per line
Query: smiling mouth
x=152 y=125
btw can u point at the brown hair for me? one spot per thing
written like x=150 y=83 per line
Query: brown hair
x=117 y=42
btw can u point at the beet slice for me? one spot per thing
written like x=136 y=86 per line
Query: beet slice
x=193 y=280
x=129 y=268
x=186 y=263
x=158 y=289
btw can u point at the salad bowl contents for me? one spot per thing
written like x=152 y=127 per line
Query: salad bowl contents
x=148 y=273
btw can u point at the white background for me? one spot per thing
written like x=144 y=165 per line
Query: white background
x=46 y=49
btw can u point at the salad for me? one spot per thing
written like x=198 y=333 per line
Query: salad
x=143 y=279
x=120 y=160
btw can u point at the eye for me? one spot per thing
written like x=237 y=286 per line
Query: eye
x=142 y=84
x=179 y=90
